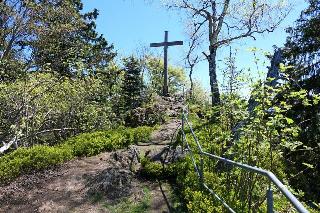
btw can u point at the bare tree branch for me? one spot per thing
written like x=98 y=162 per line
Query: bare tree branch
x=244 y=19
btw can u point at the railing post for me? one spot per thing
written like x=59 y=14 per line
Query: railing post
x=182 y=128
x=269 y=200
x=183 y=97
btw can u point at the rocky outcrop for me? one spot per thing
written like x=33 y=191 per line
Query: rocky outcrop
x=114 y=183
x=156 y=113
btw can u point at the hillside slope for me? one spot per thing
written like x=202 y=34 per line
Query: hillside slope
x=109 y=182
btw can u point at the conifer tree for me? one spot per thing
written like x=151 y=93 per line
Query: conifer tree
x=132 y=83
x=52 y=35
x=302 y=56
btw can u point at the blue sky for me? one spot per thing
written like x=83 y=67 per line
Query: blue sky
x=132 y=24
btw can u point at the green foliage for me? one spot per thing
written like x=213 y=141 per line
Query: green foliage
x=52 y=37
x=128 y=206
x=157 y=170
x=199 y=201
x=143 y=133
x=45 y=108
x=261 y=140
x=303 y=46
x=132 y=85
x=24 y=160
x=89 y=144
x=152 y=169
x=199 y=96
x=302 y=71
x=154 y=67
x=38 y=37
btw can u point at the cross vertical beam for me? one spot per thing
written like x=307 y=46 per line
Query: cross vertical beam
x=166 y=45
x=165 y=64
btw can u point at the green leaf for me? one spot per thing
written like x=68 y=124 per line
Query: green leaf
x=289 y=120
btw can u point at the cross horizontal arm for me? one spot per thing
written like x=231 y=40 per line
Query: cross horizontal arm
x=175 y=43
x=157 y=44
x=166 y=44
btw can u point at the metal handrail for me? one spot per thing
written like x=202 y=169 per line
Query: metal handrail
x=273 y=179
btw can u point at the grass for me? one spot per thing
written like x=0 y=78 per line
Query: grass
x=128 y=206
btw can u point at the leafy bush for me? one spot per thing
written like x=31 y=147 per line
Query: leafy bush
x=35 y=158
x=260 y=140
x=149 y=115
x=24 y=160
x=198 y=201
x=154 y=67
x=142 y=134
x=90 y=144
x=157 y=170
x=152 y=169
x=46 y=108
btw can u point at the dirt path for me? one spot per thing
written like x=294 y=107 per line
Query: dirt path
x=104 y=183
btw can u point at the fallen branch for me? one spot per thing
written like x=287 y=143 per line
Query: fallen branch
x=7 y=146
x=14 y=141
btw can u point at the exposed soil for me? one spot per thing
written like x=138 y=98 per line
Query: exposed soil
x=90 y=184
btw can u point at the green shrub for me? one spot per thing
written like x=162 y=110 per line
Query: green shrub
x=35 y=158
x=24 y=160
x=156 y=170
x=243 y=191
x=151 y=169
x=128 y=206
x=73 y=105
x=142 y=134
x=90 y=144
x=198 y=201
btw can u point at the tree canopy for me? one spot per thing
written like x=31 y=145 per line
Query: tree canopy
x=221 y=22
x=65 y=93
x=50 y=36
x=302 y=54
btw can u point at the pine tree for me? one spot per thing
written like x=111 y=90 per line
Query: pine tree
x=303 y=48
x=75 y=49
x=51 y=35
x=132 y=83
x=302 y=55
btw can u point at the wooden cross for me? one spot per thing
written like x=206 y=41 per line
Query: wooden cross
x=166 y=45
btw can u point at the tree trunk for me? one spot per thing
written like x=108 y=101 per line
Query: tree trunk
x=191 y=83
x=215 y=94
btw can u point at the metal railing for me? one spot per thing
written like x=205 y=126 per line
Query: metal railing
x=200 y=171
